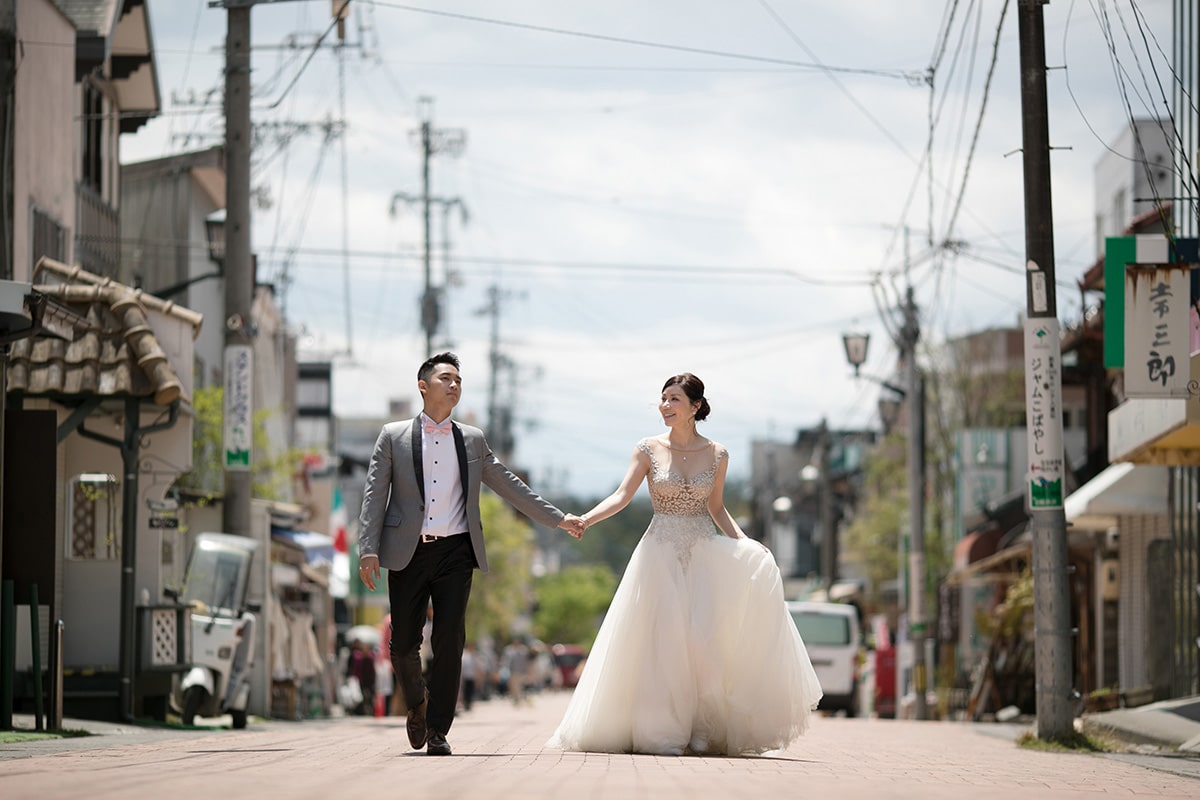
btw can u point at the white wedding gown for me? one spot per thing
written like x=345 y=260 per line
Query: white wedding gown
x=697 y=652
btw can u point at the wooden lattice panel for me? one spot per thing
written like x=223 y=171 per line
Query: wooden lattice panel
x=164 y=637
x=83 y=524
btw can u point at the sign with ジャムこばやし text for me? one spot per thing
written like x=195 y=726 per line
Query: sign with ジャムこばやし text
x=239 y=410
x=1043 y=413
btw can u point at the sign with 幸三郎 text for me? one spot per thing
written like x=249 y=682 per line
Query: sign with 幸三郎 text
x=1157 y=330
x=1043 y=413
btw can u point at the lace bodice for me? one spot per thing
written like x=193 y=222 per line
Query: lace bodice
x=673 y=494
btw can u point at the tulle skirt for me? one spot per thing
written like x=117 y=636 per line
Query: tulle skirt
x=697 y=653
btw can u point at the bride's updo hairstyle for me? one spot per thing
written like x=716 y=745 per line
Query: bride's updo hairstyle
x=693 y=387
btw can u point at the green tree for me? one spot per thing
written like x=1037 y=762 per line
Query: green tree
x=610 y=542
x=503 y=593
x=206 y=475
x=273 y=467
x=872 y=539
x=570 y=603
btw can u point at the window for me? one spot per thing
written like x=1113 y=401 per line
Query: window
x=92 y=172
x=93 y=518
x=48 y=238
x=823 y=629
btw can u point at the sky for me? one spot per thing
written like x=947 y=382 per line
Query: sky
x=720 y=187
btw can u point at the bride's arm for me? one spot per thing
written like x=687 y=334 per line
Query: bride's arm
x=638 y=467
x=716 y=504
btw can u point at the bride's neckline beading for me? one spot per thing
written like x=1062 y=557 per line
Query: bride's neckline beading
x=700 y=449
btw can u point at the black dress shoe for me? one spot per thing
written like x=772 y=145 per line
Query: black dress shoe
x=438 y=746
x=418 y=731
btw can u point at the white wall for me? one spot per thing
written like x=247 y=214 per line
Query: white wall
x=1119 y=181
x=44 y=162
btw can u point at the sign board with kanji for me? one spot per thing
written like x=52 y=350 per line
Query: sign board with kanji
x=239 y=410
x=1043 y=413
x=1157 y=330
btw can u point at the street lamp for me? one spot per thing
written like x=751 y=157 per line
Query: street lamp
x=214 y=233
x=856 y=349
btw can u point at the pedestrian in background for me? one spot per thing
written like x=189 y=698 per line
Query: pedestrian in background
x=362 y=669
x=516 y=662
x=470 y=670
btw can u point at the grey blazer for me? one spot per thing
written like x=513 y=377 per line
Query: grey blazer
x=394 y=499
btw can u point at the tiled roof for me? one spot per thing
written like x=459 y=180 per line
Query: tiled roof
x=114 y=353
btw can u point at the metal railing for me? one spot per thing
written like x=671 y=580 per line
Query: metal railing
x=97 y=232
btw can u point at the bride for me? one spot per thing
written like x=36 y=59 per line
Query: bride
x=697 y=652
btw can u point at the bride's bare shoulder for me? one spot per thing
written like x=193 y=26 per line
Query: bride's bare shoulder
x=649 y=445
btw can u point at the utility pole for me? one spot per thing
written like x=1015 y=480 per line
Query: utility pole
x=431 y=316
x=829 y=539
x=1043 y=394
x=499 y=417
x=905 y=334
x=239 y=274
x=432 y=141
x=914 y=383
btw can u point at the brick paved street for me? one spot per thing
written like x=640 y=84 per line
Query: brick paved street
x=499 y=754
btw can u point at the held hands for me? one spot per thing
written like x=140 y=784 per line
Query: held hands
x=573 y=525
x=368 y=571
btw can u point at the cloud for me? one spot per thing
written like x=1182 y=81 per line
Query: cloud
x=640 y=208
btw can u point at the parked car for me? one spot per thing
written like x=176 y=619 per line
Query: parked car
x=832 y=634
x=568 y=661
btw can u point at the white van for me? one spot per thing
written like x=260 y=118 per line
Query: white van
x=832 y=635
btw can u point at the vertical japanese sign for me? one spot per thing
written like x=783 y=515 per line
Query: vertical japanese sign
x=1043 y=413
x=1157 y=330
x=239 y=423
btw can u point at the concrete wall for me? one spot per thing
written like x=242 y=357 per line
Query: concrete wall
x=44 y=150
x=1119 y=181
x=165 y=242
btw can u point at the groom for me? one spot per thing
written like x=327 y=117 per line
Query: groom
x=420 y=521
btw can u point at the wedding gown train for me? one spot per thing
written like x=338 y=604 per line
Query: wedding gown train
x=697 y=652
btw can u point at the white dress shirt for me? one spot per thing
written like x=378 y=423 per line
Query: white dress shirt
x=445 y=501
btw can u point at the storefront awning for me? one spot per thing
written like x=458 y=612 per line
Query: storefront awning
x=317 y=547
x=1005 y=563
x=1121 y=489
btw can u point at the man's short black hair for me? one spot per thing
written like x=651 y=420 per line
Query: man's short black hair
x=441 y=358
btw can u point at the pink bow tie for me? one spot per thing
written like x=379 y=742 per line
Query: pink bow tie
x=436 y=427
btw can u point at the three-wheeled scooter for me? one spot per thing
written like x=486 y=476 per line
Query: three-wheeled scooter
x=223 y=629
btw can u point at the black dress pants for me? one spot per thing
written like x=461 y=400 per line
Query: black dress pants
x=440 y=573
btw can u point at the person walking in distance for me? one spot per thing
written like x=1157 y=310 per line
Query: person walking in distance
x=516 y=662
x=420 y=520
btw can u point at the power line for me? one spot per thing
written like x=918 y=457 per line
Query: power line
x=732 y=271
x=909 y=75
x=987 y=85
x=830 y=73
x=1118 y=71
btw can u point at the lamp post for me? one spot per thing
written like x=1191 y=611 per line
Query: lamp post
x=914 y=391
